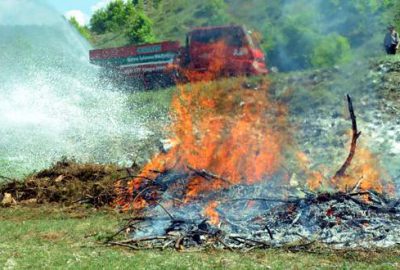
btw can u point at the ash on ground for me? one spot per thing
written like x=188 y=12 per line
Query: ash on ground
x=338 y=220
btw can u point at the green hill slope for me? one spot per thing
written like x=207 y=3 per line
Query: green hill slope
x=172 y=19
x=297 y=34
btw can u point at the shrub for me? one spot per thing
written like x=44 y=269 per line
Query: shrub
x=331 y=50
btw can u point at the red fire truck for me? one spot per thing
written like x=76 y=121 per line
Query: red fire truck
x=160 y=64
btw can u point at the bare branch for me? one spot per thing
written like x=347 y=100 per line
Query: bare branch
x=356 y=134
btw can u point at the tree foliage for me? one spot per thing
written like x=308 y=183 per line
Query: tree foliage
x=139 y=29
x=127 y=17
x=297 y=34
x=215 y=11
x=331 y=50
x=113 y=17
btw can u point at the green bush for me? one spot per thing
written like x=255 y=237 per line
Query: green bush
x=215 y=11
x=139 y=29
x=331 y=50
x=124 y=17
x=114 y=17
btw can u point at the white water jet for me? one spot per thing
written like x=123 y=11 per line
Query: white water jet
x=51 y=102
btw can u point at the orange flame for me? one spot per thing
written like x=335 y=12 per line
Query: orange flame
x=364 y=174
x=211 y=212
x=236 y=135
x=231 y=131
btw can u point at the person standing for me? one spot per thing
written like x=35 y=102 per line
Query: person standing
x=391 y=41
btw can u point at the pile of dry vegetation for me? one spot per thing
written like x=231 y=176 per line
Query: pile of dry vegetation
x=66 y=182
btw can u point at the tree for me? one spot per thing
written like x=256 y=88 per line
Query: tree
x=126 y=17
x=98 y=22
x=394 y=15
x=331 y=50
x=293 y=30
x=139 y=28
x=114 y=17
x=214 y=11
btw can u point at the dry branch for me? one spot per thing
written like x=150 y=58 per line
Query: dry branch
x=208 y=175
x=356 y=134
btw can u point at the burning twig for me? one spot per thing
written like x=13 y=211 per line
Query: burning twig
x=141 y=193
x=279 y=200
x=356 y=134
x=208 y=175
x=357 y=186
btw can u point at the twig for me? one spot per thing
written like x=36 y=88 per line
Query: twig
x=122 y=245
x=143 y=239
x=166 y=211
x=266 y=200
x=356 y=187
x=269 y=232
x=252 y=248
x=224 y=244
x=179 y=242
x=247 y=240
x=140 y=193
x=167 y=244
x=208 y=175
x=356 y=134
x=109 y=238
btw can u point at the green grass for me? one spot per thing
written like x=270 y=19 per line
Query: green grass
x=54 y=238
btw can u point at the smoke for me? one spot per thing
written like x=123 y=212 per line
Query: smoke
x=335 y=44
x=51 y=102
x=325 y=125
x=336 y=32
x=312 y=33
x=298 y=32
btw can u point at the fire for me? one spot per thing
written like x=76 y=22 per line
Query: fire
x=211 y=212
x=225 y=128
x=365 y=174
x=227 y=133
x=235 y=133
x=315 y=180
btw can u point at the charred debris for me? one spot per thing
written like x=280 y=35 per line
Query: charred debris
x=248 y=217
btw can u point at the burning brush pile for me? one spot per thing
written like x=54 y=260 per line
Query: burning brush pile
x=231 y=177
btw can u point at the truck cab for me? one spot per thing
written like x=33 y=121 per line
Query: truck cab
x=218 y=51
x=229 y=49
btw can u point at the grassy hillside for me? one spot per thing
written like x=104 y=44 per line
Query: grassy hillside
x=323 y=33
x=172 y=20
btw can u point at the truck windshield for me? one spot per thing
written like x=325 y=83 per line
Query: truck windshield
x=234 y=37
x=253 y=39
